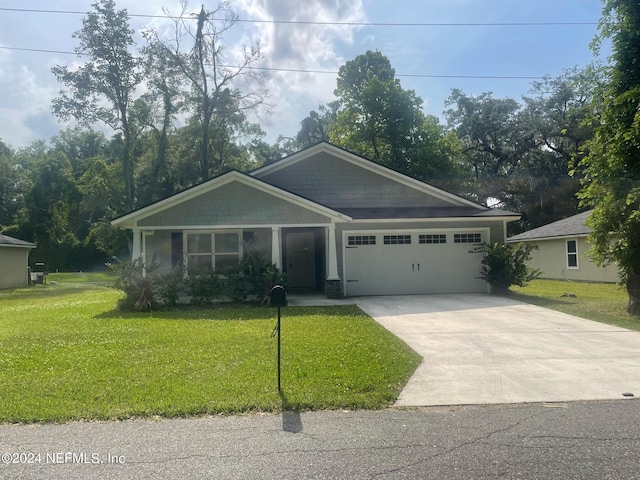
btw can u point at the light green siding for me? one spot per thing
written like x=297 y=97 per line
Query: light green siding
x=551 y=259
x=233 y=204
x=14 y=267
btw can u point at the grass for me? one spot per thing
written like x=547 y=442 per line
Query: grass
x=602 y=302
x=104 y=276
x=66 y=354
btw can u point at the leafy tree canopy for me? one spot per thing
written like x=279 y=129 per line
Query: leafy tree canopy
x=611 y=180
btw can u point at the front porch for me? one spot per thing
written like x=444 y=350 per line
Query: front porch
x=307 y=254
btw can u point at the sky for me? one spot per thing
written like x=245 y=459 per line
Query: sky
x=463 y=38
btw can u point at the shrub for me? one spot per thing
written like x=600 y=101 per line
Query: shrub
x=255 y=276
x=171 y=287
x=139 y=288
x=204 y=286
x=504 y=265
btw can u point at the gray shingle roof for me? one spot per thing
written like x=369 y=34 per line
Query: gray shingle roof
x=423 y=212
x=568 y=227
x=14 y=242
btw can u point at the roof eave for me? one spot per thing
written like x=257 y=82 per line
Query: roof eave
x=552 y=237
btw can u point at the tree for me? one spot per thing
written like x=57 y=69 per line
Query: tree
x=493 y=139
x=611 y=182
x=215 y=94
x=522 y=154
x=378 y=115
x=555 y=113
x=380 y=120
x=158 y=110
x=51 y=215
x=80 y=146
x=101 y=90
x=9 y=186
x=315 y=127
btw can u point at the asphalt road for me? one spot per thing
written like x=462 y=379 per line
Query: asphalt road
x=579 y=440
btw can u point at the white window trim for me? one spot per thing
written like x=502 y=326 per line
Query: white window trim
x=185 y=244
x=567 y=253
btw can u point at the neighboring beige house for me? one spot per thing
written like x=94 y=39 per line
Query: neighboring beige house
x=563 y=251
x=14 y=262
x=335 y=222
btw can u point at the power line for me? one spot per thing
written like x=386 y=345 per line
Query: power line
x=354 y=24
x=327 y=72
x=39 y=50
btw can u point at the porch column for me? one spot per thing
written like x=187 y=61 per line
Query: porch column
x=136 y=251
x=332 y=273
x=276 y=252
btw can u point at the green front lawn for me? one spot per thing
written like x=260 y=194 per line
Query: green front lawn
x=66 y=354
x=103 y=276
x=602 y=302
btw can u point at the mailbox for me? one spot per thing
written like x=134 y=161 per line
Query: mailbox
x=278 y=297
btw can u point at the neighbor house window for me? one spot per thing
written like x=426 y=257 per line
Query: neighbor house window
x=429 y=239
x=572 y=254
x=213 y=251
x=467 y=238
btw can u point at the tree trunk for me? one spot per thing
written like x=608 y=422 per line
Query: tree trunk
x=127 y=164
x=633 y=289
x=204 y=145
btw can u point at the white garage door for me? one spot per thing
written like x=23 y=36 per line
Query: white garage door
x=421 y=261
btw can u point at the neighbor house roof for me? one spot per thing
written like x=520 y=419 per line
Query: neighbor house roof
x=6 y=241
x=569 y=227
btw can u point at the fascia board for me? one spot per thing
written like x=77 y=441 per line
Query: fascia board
x=435 y=219
x=542 y=239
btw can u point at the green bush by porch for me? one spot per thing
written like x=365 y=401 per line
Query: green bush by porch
x=66 y=354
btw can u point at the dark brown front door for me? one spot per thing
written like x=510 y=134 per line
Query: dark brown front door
x=301 y=262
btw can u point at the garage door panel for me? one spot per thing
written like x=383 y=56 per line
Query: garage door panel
x=440 y=266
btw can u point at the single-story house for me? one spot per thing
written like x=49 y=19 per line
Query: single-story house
x=335 y=222
x=563 y=251
x=14 y=262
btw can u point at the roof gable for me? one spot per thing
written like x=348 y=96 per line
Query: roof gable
x=340 y=179
x=228 y=199
x=568 y=227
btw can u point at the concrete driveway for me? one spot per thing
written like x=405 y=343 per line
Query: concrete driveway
x=481 y=349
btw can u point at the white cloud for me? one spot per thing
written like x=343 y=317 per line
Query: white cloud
x=27 y=85
x=25 y=111
x=300 y=47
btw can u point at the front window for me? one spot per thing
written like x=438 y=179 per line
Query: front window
x=213 y=251
x=572 y=254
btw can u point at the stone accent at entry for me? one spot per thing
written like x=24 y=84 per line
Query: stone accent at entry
x=334 y=289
